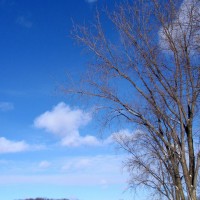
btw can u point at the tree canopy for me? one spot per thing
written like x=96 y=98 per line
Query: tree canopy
x=149 y=76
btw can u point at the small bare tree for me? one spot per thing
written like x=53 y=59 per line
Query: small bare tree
x=148 y=73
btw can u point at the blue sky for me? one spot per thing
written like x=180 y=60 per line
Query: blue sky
x=49 y=145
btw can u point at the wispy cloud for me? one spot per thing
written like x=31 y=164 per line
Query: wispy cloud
x=76 y=141
x=10 y=146
x=6 y=106
x=66 y=122
x=123 y=134
x=91 y=1
x=73 y=198
x=23 y=21
x=61 y=179
x=93 y=164
x=44 y=164
x=101 y=170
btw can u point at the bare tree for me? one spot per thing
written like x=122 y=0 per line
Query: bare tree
x=148 y=73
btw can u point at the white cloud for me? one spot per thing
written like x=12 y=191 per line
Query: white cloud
x=62 y=120
x=78 y=141
x=181 y=26
x=66 y=122
x=6 y=106
x=9 y=146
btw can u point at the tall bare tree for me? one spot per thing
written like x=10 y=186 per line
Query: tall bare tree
x=148 y=72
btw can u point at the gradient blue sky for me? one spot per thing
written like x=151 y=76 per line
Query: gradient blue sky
x=49 y=146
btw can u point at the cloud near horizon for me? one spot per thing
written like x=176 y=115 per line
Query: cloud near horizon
x=66 y=122
x=74 y=170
